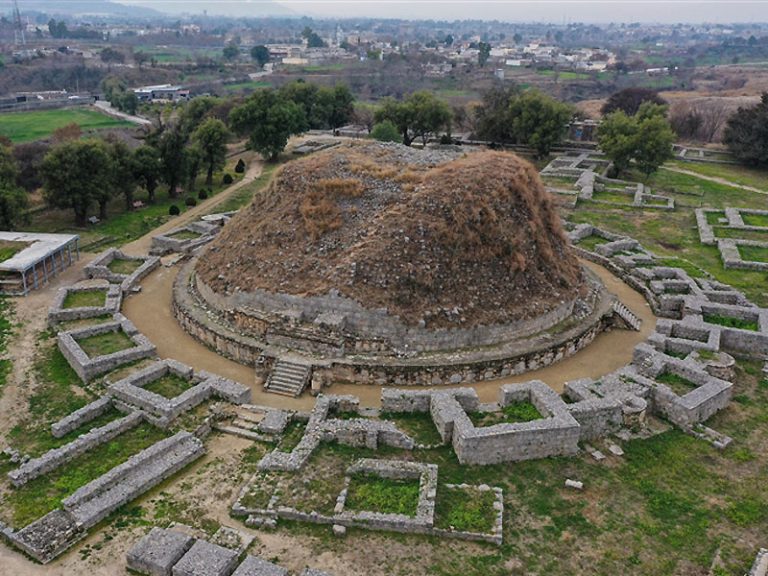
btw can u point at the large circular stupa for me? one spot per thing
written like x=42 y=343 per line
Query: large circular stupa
x=381 y=255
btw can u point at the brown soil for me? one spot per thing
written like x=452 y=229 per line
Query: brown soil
x=428 y=236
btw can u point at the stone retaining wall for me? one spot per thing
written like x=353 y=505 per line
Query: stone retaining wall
x=58 y=313
x=59 y=456
x=88 y=368
x=81 y=416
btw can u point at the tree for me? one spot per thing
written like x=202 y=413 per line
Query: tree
x=146 y=169
x=13 y=199
x=57 y=29
x=173 y=158
x=420 y=115
x=313 y=40
x=492 y=116
x=194 y=160
x=211 y=140
x=746 y=134
x=76 y=174
x=386 y=132
x=517 y=38
x=29 y=159
x=123 y=172
x=231 y=52
x=335 y=106
x=538 y=120
x=646 y=138
x=448 y=40
x=71 y=131
x=630 y=99
x=111 y=56
x=260 y=54
x=484 y=53
x=141 y=58
x=269 y=121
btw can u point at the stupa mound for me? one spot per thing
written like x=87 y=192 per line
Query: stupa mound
x=436 y=239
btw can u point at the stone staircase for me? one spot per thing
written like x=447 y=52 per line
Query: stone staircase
x=626 y=316
x=288 y=378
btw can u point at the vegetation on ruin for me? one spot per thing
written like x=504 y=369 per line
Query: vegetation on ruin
x=106 y=343
x=372 y=493
x=522 y=411
x=418 y=425
x=169 y=386
x=124 y=265
x=731 y=322
x=6 y=329
x=85 y=298
x=679 y=385
x=465 y=509
x=291 y=436
x=45 y=493
x=754 y=253
x=185 y=235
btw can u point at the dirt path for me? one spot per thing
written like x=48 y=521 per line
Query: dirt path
x=30 y=318
x=716 y=179
x=141 y=246
x=150 y=311
x=107 y=109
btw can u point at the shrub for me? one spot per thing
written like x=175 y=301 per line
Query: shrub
x=227 y=179
x=386 y=131
x=240 y=167
x=202 y=195
x=173 y=210
x=190 y=201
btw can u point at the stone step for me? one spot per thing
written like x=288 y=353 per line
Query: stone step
x=627 y=316
x=288 y=378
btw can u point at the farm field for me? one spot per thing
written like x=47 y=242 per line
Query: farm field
x=28 y=126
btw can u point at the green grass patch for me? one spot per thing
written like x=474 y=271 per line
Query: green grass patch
x=169 y=386
x=244 y=195
x=591 y=242
x=465 y=509
x=679 y=385
x=613 y=197
x=731 y=322
x=510 y=414
x=713 y=218
x=124 y=266
x=383 y=495
x=755 y=219
x=29 y=126
x=753 y=253
x=107 y=343
x=9 y=249
x=418 y=425
x=293 y=434
x=85 y=298
x=740 y=233
x=44 y=494
x=741 y=175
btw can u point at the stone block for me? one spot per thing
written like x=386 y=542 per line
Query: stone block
x=157 y=552
x=205 y=559
x=255 y=566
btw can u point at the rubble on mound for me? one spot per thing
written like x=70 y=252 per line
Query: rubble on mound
x=439 y=237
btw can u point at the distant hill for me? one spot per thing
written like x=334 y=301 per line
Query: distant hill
x=79 y=7
x=241 y=9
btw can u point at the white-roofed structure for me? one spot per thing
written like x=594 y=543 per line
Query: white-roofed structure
x=39 y=258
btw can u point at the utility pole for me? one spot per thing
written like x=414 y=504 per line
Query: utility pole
x=18 y=26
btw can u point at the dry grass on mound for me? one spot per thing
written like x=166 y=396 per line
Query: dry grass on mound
x=432 y=236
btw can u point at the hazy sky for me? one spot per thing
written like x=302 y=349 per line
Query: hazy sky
x=557 y=11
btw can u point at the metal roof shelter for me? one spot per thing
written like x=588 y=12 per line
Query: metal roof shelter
x=43 y=257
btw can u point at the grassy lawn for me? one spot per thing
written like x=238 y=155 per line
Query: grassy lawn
x=28 y=126
x=754 y=253
x=679 y=385
x=44 y=494
x=124 y=266
x=722 y=232
x=515 y=412
x=124 y=226
x=468 y=510
x=85 y=298
x=614 y=197
x=107 y=343
x=169 y=385
x=737 y=174
x=375 y=494
x=244 y=195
